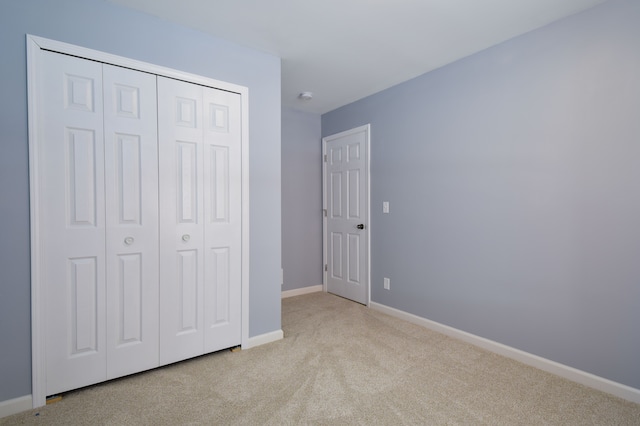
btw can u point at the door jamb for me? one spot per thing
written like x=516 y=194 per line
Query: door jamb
x=35 y=46
x=325 y=261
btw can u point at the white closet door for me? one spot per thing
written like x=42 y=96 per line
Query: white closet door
x=181 y=220
x=139 y=221
x=223 y=219
x=131 y=172
x=72 y=223
x=200 y=219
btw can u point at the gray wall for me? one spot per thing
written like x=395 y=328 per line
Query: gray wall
x=103 y=26
x=513 y=177
x=301 y=199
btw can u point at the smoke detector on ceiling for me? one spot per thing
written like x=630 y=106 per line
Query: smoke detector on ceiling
x=305 y=96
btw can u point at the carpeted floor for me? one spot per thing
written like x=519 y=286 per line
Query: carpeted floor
x=340 y=363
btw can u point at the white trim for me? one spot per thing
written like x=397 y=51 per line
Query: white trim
x=38 y=385
x=302 y=290
x=367 y=129
x=244 y=105
x=263 y=339
x=325 y=214
x=570 y=373
x=15 y=406
x=35 y=45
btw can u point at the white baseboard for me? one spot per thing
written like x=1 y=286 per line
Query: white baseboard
x=263 y=339
x=570 y=373
x=15 y=405
x=301 y=291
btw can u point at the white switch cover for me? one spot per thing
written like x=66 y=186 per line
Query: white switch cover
x=385 y=207
x=387 y=283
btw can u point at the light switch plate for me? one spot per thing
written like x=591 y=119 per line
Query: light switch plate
x=385 y=207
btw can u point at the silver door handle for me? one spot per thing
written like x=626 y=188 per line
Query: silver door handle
x=129 y=240
x=186 y=237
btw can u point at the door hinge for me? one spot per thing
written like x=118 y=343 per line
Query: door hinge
x=325 y=158
x=324 y=211
x=326 y=268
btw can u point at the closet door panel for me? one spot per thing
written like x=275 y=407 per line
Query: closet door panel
x=131 y=171
x=72 y=225
x=222 y=212
x=180 y=122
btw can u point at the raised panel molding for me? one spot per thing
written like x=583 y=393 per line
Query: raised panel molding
x=187 y=185
x=127 y=101
x=353 y=251
x=220 y=183
x=130 y=298
x=336 y=251
x=186 y=112
x=79 y=92
x=188 y=276
x=354 y=151
x=83 y=294
x=219 y=258
x=129 y=179
x=219 y=118
x=82 y=177
x=336 y=156
x=353 y=188
x=336 y=194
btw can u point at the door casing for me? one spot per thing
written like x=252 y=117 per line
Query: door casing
x=35 y=45
x=325 y=261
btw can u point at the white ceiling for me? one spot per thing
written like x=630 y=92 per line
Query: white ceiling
x=344 y=50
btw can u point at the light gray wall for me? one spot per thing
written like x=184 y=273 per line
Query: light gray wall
x=301 y=199
x=514 y=182
x=99 y=25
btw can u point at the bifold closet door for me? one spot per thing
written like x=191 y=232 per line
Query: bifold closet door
x=139 y=220
x=98 y=173
x=131 y=182
x=200 y=219
x=72 y=211
x=223 y=219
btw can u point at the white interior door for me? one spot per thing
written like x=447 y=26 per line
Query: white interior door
x=131 y=171
x=346 y=200
x=181 y=220
x=223 y=219
x=71 y=153
x=201 y=220
x=100 y=209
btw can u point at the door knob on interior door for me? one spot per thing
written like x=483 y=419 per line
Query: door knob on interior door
x=360 y=226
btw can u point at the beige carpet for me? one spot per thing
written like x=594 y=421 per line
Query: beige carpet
x=341 y=363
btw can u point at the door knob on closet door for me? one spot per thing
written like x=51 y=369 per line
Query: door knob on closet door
x=129 y=240
x=186 y=237
x=361 y=226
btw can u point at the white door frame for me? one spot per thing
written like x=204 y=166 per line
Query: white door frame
x=367 y=130
x=35 y=46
